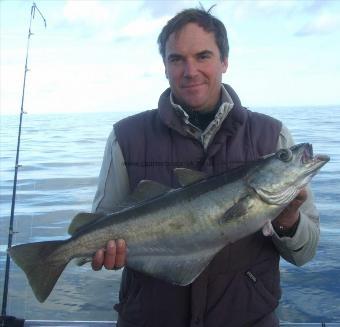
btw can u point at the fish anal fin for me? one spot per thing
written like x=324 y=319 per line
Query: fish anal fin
x=81 y=220
x=187 y=176
x=178 y=269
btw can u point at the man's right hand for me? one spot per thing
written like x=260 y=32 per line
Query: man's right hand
x=111 y=257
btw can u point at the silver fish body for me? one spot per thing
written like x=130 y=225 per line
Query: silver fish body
x=174 y=234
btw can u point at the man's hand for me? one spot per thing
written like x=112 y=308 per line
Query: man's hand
x=290 y=215
x=113 y=257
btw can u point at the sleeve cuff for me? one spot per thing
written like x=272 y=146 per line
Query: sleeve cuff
x=296 y=237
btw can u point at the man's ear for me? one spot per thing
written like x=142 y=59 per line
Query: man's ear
x=224 y=64
x=165 y=69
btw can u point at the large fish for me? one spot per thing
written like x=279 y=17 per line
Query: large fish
x=173 y=234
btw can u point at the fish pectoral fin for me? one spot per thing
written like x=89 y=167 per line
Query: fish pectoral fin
x=187 y=176
x=82 y=219
x=146 y=190
x=177 y=269
x=239 y=209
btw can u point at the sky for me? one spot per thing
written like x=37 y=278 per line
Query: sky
x=102 y=55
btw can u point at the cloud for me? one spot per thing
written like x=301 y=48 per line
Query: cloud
x=111 y=20
x=273 y=9
x=325 y=23
x=242 y=10
x=89 y=11
x=102 y=55
x=143 y=26
x=163 y=8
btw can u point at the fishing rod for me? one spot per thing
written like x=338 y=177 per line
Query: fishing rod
x=17 y=166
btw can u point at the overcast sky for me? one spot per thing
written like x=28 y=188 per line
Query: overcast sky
x=102 y=55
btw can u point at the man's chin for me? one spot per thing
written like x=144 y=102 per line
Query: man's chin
x=194 y=101
x=198 y=106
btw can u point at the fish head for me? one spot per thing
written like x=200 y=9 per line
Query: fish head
x=279 y=177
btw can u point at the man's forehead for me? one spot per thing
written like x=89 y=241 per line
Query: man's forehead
x=190 y=27
x=193 y=39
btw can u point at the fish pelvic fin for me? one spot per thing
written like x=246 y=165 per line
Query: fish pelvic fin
x=40 y=265
x=82 y=261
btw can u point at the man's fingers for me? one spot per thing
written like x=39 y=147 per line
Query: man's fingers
x=120 y=253
x=98 y=259
x=110 y=255
x=299 y=200
x=302 y=196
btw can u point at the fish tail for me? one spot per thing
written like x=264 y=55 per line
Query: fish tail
x=41 y=265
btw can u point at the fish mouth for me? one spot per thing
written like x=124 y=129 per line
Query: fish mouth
x=311 y=163
x=323 y=158
x=307 y=154
x=310 y=160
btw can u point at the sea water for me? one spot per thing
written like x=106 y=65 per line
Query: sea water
x=60 y=158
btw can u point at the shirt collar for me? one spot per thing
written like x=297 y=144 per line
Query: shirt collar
x=208 y=134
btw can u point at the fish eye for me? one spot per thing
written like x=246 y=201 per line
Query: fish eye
x=285 y=155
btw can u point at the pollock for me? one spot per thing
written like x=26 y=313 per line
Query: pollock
x=173 y=234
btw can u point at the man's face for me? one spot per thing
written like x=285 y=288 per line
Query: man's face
x=194 y=68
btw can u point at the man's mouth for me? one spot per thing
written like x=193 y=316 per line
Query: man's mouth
x=188 y=86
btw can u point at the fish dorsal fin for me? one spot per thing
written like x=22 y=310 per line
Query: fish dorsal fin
x=82 y=219
x=187 y=176
x=146 y=190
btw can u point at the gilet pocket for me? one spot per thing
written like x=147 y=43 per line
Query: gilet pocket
x=130 y=300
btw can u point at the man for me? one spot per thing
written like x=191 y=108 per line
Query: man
x=200 y=124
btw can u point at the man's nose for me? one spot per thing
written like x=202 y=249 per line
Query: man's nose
x=190 y=69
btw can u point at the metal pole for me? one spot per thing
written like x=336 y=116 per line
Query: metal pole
x=16 y=167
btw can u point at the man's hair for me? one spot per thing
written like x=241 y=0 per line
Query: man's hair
x=202 y=18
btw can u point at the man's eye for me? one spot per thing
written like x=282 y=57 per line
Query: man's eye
x=204 y=56
x=174 y=59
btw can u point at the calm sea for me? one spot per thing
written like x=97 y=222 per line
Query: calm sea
x=61 y=157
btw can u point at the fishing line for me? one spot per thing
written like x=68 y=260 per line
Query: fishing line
x=34 y=8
